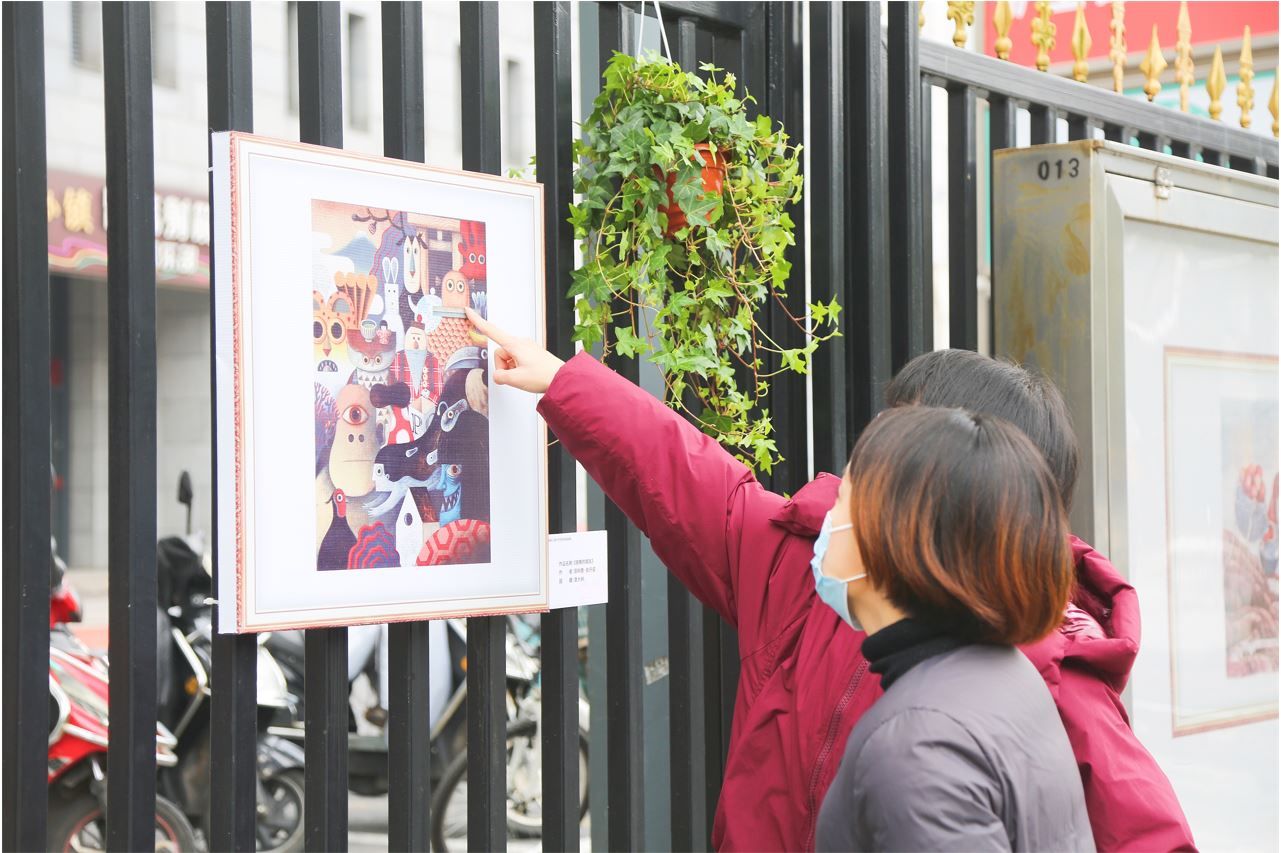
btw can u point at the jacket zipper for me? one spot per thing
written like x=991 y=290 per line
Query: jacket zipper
x=833 y=728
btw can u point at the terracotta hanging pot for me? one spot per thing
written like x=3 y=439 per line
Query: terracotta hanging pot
x=713 y=182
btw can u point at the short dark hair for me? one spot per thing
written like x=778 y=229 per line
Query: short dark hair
x=957 y=378
x=959 y=522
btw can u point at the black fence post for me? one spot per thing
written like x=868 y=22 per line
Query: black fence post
x=1045 y=124
x=623 y=639
x=27 y=493
x=962 y=200
x=233 y=716
x=131 y=424
x=553 y=111
x=320 y=121
x=784 y=102
x=685 y=621
x=867 y=315
x=829 y=255
x=1003 y=115
x=910 y=280
x=408 y=645
x=486 y=663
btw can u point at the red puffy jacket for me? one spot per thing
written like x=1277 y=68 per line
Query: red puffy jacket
x=803 y=682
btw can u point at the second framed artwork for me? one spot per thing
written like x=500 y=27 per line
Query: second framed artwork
x=368 y=468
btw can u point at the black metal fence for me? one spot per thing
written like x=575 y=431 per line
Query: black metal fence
x=869 y=231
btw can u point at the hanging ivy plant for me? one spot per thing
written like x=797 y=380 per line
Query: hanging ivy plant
x=683 y=221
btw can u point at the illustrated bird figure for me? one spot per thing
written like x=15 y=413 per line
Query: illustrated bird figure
x=335 y=548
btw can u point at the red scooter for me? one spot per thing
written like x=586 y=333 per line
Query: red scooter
x=78 y=698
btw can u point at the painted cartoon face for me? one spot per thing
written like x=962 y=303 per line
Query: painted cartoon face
x=416 y=338
x=355 y=443
x=455 y=290
x=448 y=481
x=329 y=320
x=373 y=356
x=471 y=248
x=411 y=260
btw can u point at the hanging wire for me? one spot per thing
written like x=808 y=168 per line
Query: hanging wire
x=662 y=30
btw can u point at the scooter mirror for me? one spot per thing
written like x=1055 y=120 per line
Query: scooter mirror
x=185 y=494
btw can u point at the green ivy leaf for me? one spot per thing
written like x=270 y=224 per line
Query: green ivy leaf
x=628 y=345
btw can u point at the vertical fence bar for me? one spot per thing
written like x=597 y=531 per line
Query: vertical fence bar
x=1253 y=165
x=962 y=199
x=28 y=502
x=131 y=424
x=1079 y=127
x=233 y=715
x=1044 y=124
x=868 y=312
x=784 y=101
x=408 y=646
x=320 y=121
x=927 y=208
x=1003 y=116
x=553 y=116
x=625 y=786
x=909 y=276
x=684 y=637
x=828 y=233
x=486 y=667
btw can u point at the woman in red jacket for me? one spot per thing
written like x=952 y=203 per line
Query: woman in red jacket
x=804 y=682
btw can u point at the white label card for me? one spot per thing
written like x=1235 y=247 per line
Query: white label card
x=577 y=574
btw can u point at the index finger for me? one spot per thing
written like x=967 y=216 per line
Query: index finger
x=488 y=329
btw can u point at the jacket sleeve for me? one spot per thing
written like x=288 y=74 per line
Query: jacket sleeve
x=1131 y=804
x=921 y=782
x=685 y=492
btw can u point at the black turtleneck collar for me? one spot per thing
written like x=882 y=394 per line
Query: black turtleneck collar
x=896 y=648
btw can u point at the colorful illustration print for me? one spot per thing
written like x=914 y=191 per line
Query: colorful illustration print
x=401 y=389
x=1250 y=536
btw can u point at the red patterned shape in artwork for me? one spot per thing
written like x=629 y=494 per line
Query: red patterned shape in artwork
x=463 y=541
x=375 y=548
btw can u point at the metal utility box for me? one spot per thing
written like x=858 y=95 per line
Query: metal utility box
x=1147 y=287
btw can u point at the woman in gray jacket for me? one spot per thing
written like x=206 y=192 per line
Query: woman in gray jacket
x=948 y=545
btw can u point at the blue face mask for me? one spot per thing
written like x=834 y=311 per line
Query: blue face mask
x=831 y=590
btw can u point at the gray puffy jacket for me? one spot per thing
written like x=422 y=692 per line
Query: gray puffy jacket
x=964 y=752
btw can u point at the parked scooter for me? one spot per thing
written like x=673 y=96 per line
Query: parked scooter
x=366 y=720
x=184 y=588
x=77 y=758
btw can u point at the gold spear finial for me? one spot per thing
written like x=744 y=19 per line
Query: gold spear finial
x=1184 y=70
x=1216 y=83
x=961 y=13
x=1043 y=35
x=1245 y=89
x=1117 y=44
x=1002 y=18
x=1274 y=106
x=1152 y=66
x=920 y=15
x=1080 y=45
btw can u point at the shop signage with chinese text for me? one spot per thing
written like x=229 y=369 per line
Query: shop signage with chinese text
x=77 y=213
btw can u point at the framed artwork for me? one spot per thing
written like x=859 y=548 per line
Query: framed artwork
x=368 y=469
x=1146 y=286
x=1221 y=501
